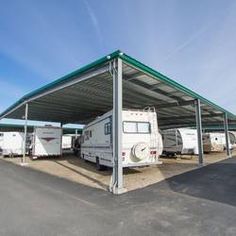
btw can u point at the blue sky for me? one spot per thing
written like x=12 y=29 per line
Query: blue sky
x=192 y=42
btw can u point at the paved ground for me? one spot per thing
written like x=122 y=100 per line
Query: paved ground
x=75 y=169
x=200 y=202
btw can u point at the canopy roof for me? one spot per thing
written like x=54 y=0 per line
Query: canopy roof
x=86 y=93
x=30 y=128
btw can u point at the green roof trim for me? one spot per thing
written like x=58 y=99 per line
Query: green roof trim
x=127 y=59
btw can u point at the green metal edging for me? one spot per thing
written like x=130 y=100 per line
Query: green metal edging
x=133 y=62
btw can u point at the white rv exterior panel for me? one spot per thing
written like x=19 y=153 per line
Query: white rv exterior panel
x=67 y=142
x=180 y=141
x=214 y=142
x=11 y=143
x=47 y=141
x=141 y=140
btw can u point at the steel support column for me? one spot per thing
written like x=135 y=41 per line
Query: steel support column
x=117 y=175
x=226 y=128
x=199 y=131
x=23 y=160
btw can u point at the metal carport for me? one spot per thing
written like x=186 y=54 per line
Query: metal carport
x=30 y=128
x=114 y=82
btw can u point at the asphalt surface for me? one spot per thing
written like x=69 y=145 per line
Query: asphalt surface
x=200 y=202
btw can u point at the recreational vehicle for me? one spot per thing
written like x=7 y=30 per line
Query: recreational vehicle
x=46 y=141
x=141 y=140
x=180 y=141
x=214 y=142
x=11 y=143
x=232 y=138
x=67 y=142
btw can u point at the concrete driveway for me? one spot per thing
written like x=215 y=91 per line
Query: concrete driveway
x=200 y=202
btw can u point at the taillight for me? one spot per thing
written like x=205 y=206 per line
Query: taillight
x=123 y=156
x=153 y=152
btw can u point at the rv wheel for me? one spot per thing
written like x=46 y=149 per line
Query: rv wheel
x=98 y=166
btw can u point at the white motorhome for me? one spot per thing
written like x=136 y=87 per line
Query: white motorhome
x=214 y=142
x=180 y=141
x=141 y=140
x=46 y=141
x=11 y=143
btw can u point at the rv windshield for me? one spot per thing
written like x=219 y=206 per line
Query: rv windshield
x=136 y=127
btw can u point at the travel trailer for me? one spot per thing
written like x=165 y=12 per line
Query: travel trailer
x=67 y=142
x=180 y=141
x=141 y=140
x=46 y=141
x=11 y=143
x=214 y=142
x=232 y=138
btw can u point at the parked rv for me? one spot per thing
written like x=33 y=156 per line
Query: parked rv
x=67 y=142
x=11 y=143
x=232 y=138
x=214 y=142
x=46 y=141
x=141 y=140
x=180 y=141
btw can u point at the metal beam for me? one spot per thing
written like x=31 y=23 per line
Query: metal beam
x=187 y=117
x=117 y=175
x=199 y=131
x=226 y=128
x=143 y=89
x=175 y=104
x=23 y=161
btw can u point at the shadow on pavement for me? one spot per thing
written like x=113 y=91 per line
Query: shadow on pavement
x=215 y=182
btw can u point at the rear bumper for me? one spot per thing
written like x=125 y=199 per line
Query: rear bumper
x=142 y=164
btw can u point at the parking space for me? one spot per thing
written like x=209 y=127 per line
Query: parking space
x=77 y=170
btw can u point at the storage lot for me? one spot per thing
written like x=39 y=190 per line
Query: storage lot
x=77 y=170
x=119 y=82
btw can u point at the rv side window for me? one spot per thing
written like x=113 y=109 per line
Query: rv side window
x=143 y=127
x=136 y=127
x=1 y=134
x=86 y=135
x=130 y=127
x=107 y=128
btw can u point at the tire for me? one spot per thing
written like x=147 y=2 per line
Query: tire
x=98 y=166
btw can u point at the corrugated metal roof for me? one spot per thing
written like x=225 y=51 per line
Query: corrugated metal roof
x=86 y=93
x=30 y=128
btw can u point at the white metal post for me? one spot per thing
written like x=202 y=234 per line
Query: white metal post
x=199 y=131
x=76 y=133
x=61 y=126
x=226 y=128
x=117 y=175
x=23 y=160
